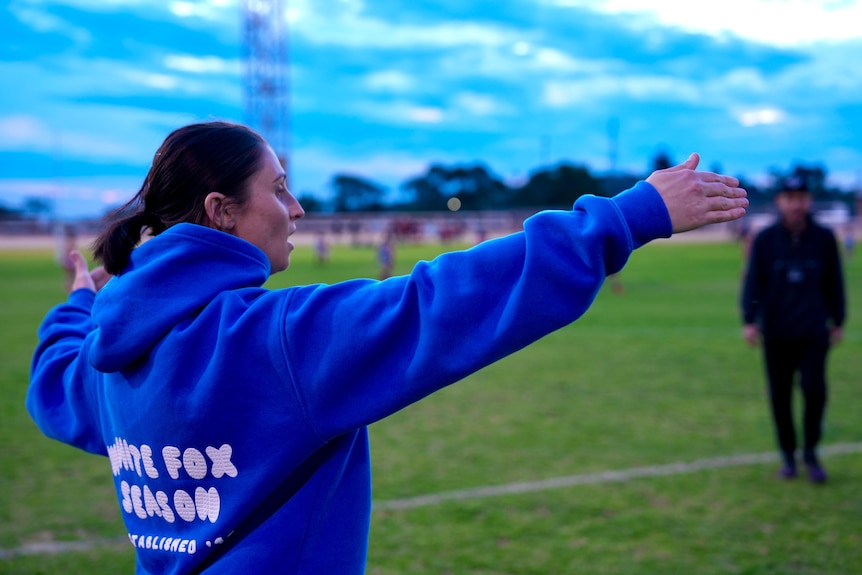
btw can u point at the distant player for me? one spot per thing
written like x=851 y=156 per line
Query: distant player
x=386 y=256
x=321 y=249
x=67 y=242
x=793 y=303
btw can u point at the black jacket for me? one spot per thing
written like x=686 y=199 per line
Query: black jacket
x=794 y=284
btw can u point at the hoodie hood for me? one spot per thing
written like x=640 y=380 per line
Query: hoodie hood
x=169 y=278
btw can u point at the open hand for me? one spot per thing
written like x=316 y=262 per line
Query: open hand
x=694 y=199
x=84 y=278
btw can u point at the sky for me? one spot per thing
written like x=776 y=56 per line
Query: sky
x=381 y=89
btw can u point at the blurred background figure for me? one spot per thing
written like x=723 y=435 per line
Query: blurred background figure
x=67 y=241
x=745 y=236
x=849 y=239
x=321 y=249
x=793 y=303
x=616 y=282
x=386 y=256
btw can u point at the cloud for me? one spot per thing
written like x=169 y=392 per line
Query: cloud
x=44 y=22
x=520 y=72
x=344 y=24
x=313 y=165
x=424 y=114
x=103 y=135
x=72 y=197
x=152 y=80
x=775 y=22
x=463 y=48
x=568 y=93
x=521 y=48
x=459 y=108
x=400 y=112
x=763 y=116
x=21 y=131
x=215 y=78
x=475 y=104
x=829 y=69
x=97 y=4
x=202 y=64
x=204 y=9
x=389 y=81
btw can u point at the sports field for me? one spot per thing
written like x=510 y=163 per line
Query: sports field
x=635 y=441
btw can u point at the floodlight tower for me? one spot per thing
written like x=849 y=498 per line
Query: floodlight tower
x=265 y=73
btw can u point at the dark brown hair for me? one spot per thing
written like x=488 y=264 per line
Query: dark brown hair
x=192 y=162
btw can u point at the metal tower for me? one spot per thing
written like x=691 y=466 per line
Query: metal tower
x=265 y=73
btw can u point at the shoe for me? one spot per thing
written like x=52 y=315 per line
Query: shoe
x=786 y=472
x=816 y=474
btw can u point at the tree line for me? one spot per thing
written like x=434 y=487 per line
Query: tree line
x=476 y=187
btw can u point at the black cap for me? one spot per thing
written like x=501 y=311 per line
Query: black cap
x=793 y=184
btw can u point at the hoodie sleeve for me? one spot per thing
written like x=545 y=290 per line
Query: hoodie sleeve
x=61 y=395
x=360 y=350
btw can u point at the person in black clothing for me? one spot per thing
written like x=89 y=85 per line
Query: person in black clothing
x=793 y=300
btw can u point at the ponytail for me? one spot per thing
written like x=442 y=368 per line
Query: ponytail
x=192 y=162
x=114 y=245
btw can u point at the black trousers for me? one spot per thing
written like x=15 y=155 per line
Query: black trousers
x=785 y=358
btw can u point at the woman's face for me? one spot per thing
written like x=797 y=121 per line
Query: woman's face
x=269 y=216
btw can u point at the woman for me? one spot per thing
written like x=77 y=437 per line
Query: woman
x=234 y=417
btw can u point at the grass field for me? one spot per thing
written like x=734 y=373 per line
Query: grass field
x=655 y=376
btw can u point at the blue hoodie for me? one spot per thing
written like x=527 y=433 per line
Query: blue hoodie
x=234 y=417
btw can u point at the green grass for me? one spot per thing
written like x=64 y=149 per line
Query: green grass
x=654 y=376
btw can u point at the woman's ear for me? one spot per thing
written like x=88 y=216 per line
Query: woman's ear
x=219 y=211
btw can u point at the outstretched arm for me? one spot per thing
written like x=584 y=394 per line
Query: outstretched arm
x=399 y=340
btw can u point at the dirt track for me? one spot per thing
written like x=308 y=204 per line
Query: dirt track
x=49 y=242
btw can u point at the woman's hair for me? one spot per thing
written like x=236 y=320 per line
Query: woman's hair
x=192 y=162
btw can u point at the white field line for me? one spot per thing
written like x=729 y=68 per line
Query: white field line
x=601 y=477
x=680 y=468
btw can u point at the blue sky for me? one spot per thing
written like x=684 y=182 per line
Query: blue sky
x=382 y=88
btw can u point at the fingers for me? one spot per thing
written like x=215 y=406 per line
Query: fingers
x=722 y=189
x=692 y=161
x=711 y=177
x=727 y=202
x=82 y=278
x=720 y=216
x=79 y=262
x=723 y=203
x=690 y=164
x=728 y=207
